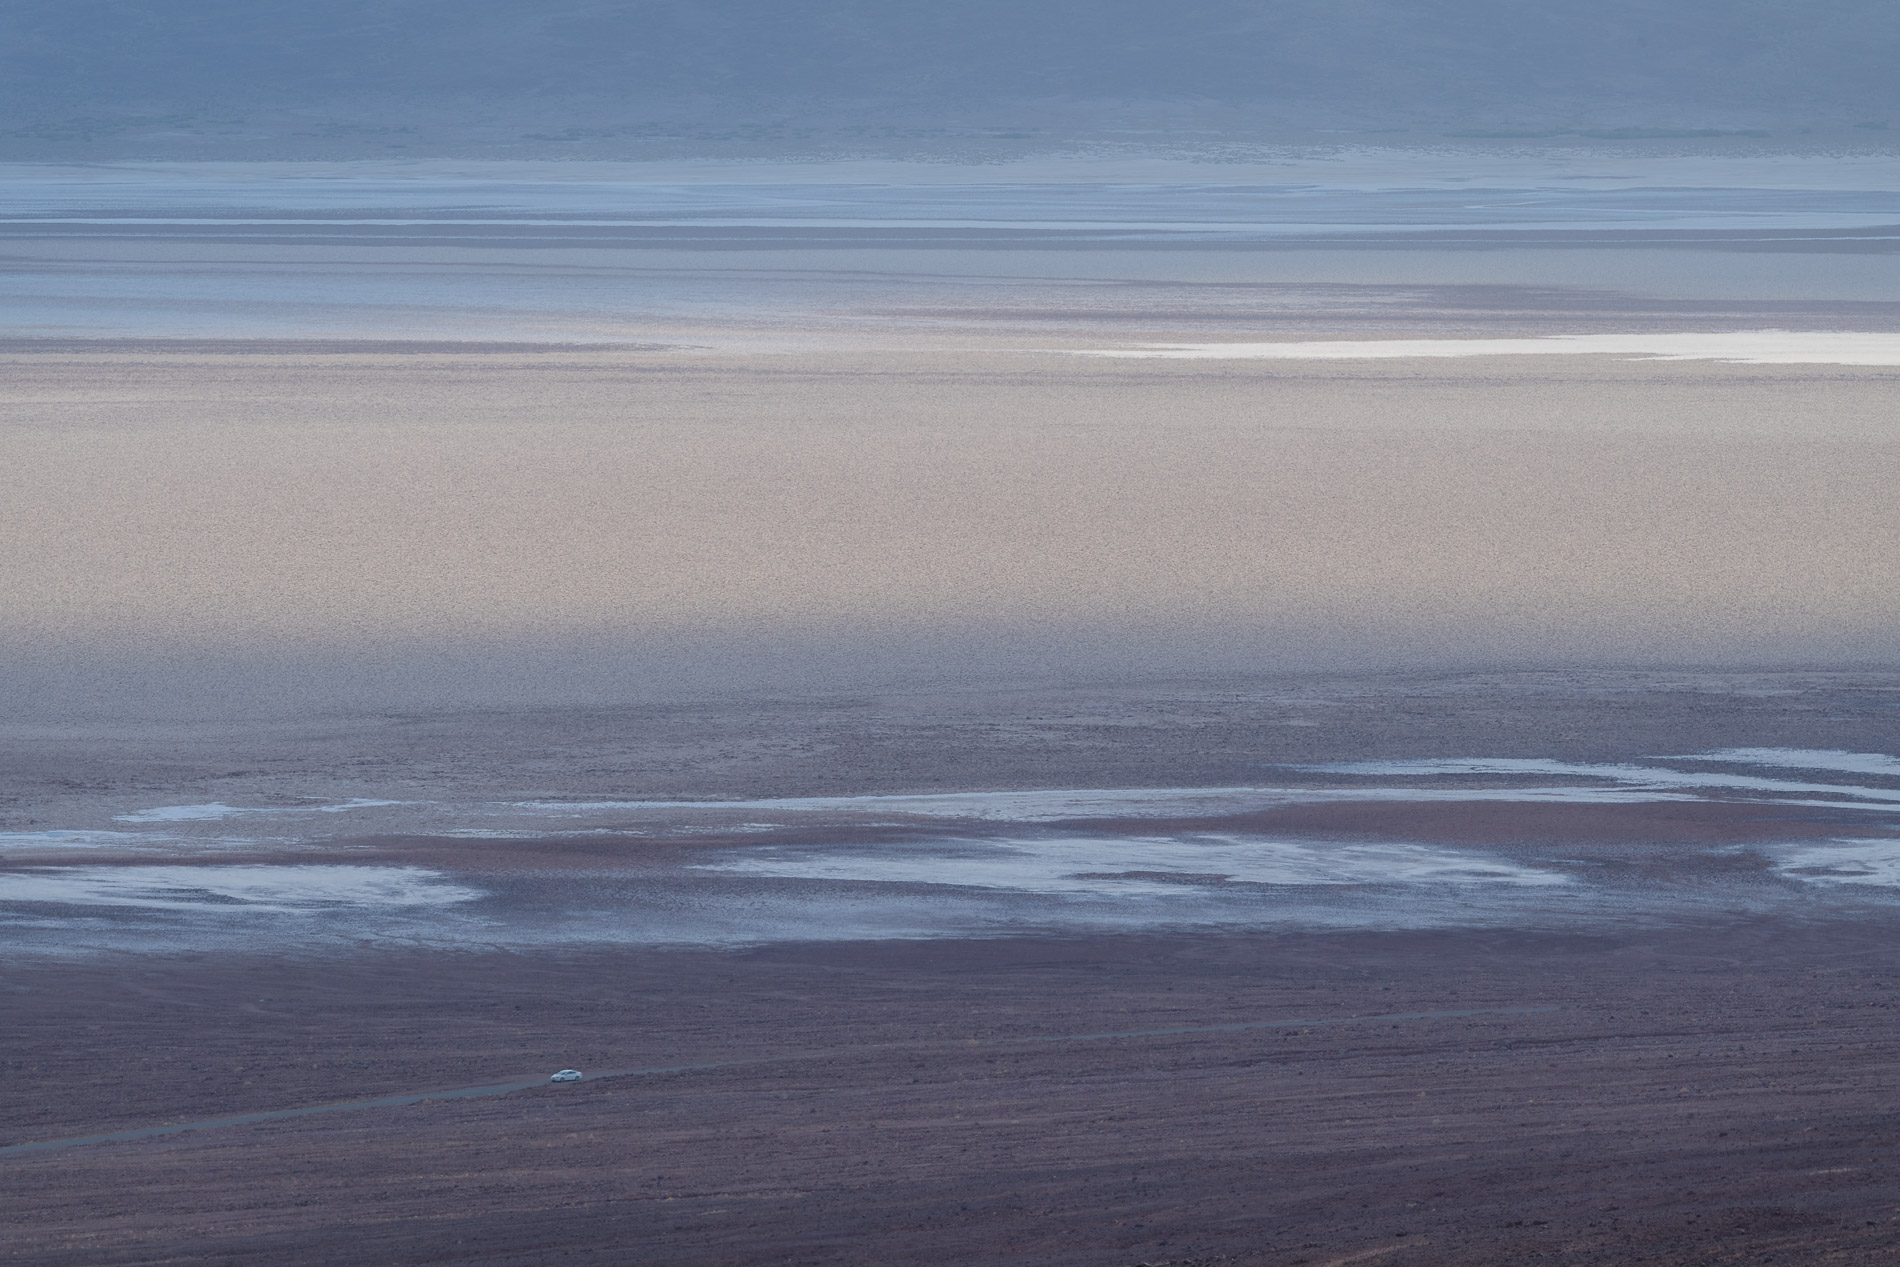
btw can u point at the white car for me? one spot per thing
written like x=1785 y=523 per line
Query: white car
x=566 y=1075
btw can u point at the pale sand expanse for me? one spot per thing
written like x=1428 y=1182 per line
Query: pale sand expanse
x=715 y=520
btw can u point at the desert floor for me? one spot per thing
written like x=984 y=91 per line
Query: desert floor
x=1701 y=1095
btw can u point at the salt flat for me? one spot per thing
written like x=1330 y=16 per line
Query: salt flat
x=1735 y=347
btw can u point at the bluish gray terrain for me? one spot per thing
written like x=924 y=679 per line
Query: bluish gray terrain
x=374 y=77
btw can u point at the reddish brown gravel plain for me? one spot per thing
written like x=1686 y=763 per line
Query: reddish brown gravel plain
x=1698 y=1096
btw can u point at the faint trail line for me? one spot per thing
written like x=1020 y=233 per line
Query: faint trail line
x=1368 y=1255
x=1229 y=1029
x=504 y=1088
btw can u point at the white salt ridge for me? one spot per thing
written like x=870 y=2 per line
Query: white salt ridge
x=1874 y=862
x=1121 y=866
x=1023 y=806
x=1740 y=347
x=1628 y=775
x=235 y=888
x=73 y=839
x=217 y=810
x=1805 y=759
x=180 y=814
x=1059 y=804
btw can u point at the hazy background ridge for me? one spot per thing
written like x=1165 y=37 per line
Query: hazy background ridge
x=82 y=75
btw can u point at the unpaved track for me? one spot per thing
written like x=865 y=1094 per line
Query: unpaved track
x=532 y=1084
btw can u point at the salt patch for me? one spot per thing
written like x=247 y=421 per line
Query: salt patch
x=1740 y=347
x=234 y=888
x=217 y=810
x=72 y=839
x=1805 y=759
x=180 y=814
x=1629 y=775
x=1844 y=862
